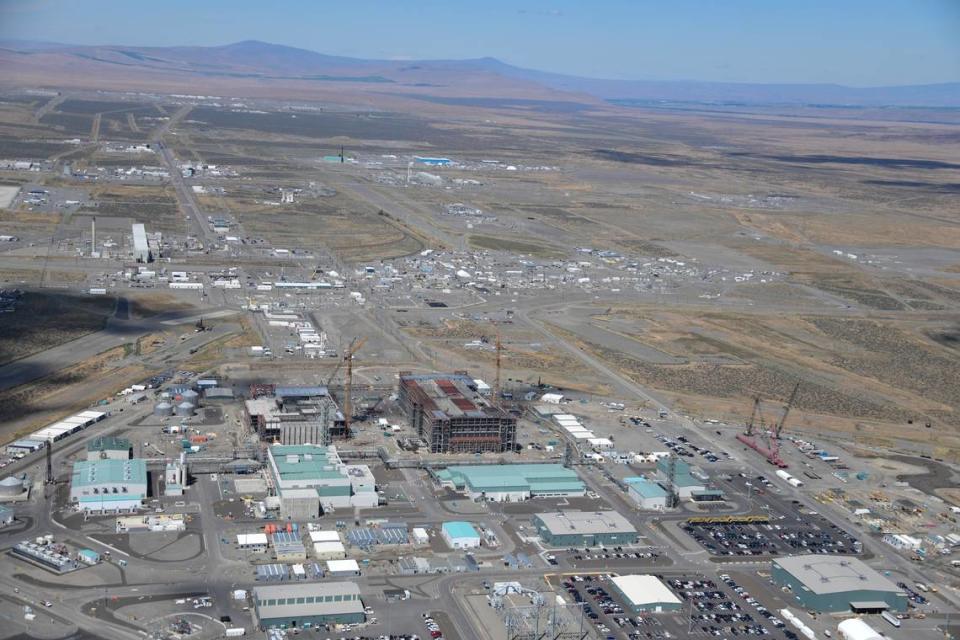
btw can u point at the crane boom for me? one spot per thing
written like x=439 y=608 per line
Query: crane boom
x=355 y=345
x=753 y=415
x=786 y=412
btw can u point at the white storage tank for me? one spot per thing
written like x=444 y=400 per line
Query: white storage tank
x=185 y=409
x=857 y=629
x=190 y=396
x=11 y=486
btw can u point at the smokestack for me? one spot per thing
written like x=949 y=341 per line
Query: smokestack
x=93 y=236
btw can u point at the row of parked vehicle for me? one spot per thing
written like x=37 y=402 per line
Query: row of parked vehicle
x=757 y=606
x=912 y=595
x=432 y=628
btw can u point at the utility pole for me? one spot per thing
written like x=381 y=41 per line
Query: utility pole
x=50 y=462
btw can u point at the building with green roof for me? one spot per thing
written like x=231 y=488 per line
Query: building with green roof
x=109 y=447
x=309 y=477
x=512 y=482
x=584 y=529
x=684 y=481
x=648 y=495
x=460 y=535
x=109 y=485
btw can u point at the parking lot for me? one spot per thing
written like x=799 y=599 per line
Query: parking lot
x=739 y=537
x=782 y=526
x=598 y=558
x=710 y=608
x=684 y=448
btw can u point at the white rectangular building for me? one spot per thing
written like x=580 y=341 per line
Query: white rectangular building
x=333 y=550
x=327 y=535
x=646 y=593
x=342 y=568
x=141 y=249
x=903 y=541
x=252 y=541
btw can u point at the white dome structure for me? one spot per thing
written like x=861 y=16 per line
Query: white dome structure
x=857 y=629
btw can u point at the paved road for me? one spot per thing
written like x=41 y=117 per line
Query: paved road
x=197 y=219
x=115 y=333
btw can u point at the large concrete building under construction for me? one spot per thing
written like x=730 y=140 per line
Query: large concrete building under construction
x=448 y=412
x=294 y=415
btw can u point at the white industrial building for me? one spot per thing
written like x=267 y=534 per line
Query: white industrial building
x=648 y=495
x=460 y=535
x=325 y=535
x=252 y=541
x=903 y=541
x=141 y=249
x=342 y=568
x=419 y=536
x=646 y=593
x=175 y=477
x=333 y=550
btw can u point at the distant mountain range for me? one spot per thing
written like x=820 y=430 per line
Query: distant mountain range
x=107 y=67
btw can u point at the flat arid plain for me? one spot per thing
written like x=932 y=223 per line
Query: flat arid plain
x=272 y=294
x=709 y=253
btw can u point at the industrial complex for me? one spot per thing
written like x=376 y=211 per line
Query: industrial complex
x=294 y=346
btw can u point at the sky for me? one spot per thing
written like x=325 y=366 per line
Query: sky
x=851 y=42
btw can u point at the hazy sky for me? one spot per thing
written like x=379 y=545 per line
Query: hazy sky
x=855 y=42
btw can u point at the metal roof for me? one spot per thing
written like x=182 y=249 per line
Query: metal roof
x=335 y=566
x=824 y=574
x=109 y=443
x=644 y=590
x=585 y=522
x=316 y=590
x=517 y=477
x=646 y=488
x=139 y=238
x=460 y=529
x=91 y=473
x=305 y=462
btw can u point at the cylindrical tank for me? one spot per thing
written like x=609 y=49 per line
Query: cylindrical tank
x=190 y=396
x=184 y=409
x=163 y=409
x=857 y=629
x=11 y=486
